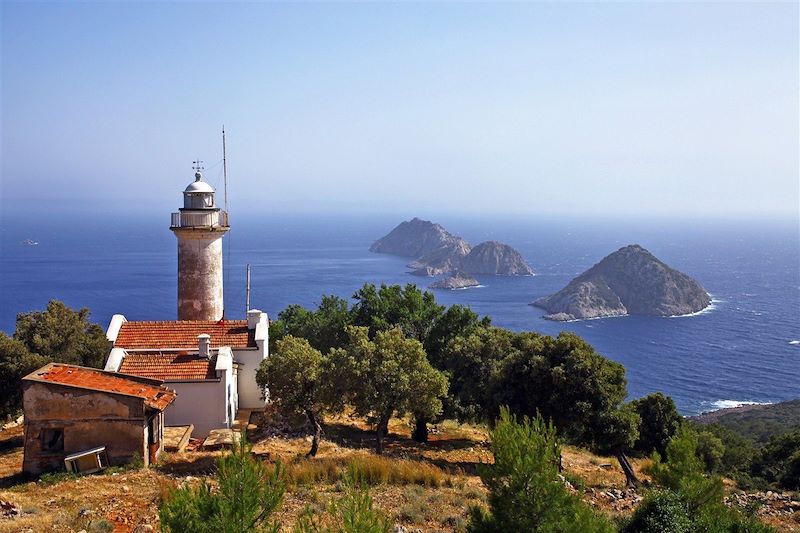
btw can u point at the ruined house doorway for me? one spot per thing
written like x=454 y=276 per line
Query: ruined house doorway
x=153 y=437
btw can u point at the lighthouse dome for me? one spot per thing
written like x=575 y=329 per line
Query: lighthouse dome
x=198 y=185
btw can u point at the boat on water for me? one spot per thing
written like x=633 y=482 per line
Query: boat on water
x=30 y=242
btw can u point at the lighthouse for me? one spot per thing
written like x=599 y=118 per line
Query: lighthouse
x=199 y=226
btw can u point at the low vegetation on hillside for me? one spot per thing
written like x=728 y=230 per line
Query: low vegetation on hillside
x=758 y=446
x=396 y=365
x=57 y=334
x=756 y=422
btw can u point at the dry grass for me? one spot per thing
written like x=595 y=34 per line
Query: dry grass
x=372 y=469
x=426 y=487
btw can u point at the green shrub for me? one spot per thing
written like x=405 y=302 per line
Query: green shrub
x=246 y=497
x=710 y=449
x=682 y=473
x=790 y=478
x=778 y=462
x=718 y=518
x=525 y=492
x=662 y=511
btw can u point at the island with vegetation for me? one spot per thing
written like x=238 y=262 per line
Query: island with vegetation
x=436 y=251
x=630 y=281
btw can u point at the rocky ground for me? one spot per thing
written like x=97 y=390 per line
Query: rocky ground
x=127 y=500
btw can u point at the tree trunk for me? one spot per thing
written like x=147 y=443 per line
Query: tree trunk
x=380 y=432
x=317 y=428
x=630 y=475
x=420 y=433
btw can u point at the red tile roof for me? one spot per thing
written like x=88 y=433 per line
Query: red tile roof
x=169 y=366
x=183 y=334
x=152 y=392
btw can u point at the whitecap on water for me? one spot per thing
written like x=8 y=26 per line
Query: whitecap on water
x=729 y=404
x=709 y=308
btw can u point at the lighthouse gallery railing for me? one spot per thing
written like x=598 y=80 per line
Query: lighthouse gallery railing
x=211 y=219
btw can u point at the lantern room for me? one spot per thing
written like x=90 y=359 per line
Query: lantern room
x=199 y=194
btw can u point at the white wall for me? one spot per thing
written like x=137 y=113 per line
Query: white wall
x=251 y=396
x=201 y=403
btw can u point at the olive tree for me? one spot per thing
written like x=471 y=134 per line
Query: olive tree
x=57 y=334
x=392 y=306
x=15 y=363
x=660 y=420
x=295 y=374
x=565 y=380
x=387 y=376
x=322 y=327
x=63 y=335
x=472 y=363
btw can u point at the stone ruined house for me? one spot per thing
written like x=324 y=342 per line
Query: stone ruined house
x=71 y=409
x=210 y=361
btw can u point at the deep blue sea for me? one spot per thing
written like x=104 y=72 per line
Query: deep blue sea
x=744 y=349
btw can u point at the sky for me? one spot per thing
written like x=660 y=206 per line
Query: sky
x=558 y=109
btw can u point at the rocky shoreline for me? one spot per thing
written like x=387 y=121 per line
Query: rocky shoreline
x=460 y=280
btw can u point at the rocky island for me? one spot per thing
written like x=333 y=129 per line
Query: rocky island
x=630 y=281
x=460 y=280
x=492 y=257
x=437 y=251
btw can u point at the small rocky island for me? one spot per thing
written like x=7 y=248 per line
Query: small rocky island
x=460 y=280
x=492 y=257
x=436 y=251
x=630 y=281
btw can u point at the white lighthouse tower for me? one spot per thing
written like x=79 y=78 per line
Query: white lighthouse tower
x=199 y=226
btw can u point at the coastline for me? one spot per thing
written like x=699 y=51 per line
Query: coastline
x=709 y=417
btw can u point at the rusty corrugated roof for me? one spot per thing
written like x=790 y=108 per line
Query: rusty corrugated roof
x=183 y=334
x=154 y=394
x=169 y=366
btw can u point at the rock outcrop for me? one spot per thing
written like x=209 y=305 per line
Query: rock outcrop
x=417 y=238
x=459 y=280
x=492 y=257
x=630 y=281
x=444 y=259
x=437 y=251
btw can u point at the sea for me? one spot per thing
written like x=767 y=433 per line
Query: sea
x=745 y=348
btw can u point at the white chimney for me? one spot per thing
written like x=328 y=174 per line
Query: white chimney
x=204 y=344
x=253 y=318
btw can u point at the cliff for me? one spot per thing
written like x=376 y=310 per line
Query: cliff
x=630 y=281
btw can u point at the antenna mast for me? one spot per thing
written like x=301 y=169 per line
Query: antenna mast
x=247 y=291
x=225 y=169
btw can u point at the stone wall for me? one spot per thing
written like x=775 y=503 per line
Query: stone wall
x=88 y=419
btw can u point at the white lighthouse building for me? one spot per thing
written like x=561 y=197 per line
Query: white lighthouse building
x=208 y=359
x=199 y=226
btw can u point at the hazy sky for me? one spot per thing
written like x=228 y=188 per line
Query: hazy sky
x=524 y=108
